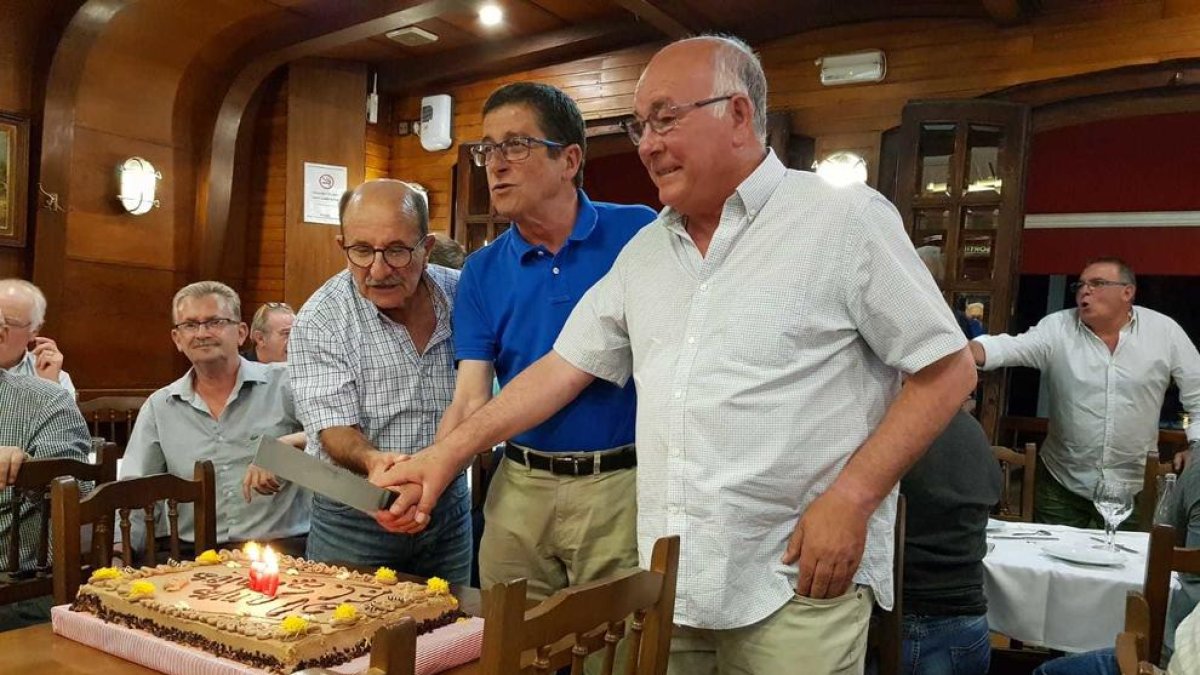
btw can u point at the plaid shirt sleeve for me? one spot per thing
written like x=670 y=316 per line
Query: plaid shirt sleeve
x=59 y=430
x=323 y=380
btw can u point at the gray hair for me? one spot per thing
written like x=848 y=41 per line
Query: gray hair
x=38 y=314
x=737 y=69
x=225 y=295
x=415 y=201
x=263 y=315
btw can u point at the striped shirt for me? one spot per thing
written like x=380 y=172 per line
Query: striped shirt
x=43 y=420
x=760 y=369
x=353 y=366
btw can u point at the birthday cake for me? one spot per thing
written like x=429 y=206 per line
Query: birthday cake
x=305 y=615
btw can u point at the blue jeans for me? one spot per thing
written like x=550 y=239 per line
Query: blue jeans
x=946 y=645
x=343 y=534
x=1099 y=662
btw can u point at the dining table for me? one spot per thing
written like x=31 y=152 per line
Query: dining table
x=38 y=649
x=1051 y=586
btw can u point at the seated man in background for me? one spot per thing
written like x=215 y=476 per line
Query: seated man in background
x=1108 y=364
x=27 y=352
x=447 y=252
x=949 y=492
x=218 y=411
x=269 y=333
x=37 y=419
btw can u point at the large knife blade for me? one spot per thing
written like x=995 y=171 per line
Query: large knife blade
x=321 y=477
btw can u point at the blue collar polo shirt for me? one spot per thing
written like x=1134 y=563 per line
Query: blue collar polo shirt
x=513 y=299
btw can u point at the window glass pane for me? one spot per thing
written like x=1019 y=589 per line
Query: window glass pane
x=985 y=218
x=983 y=159
x=976 y=255
x=978 y=309
x=936 y=150
x=929 y=238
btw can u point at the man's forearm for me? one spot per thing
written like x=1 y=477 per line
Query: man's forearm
x=458 y=411
x=530 y=399
x=350 y=448
x=926 y=403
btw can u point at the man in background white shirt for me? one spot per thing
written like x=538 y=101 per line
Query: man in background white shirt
x=1108 y=364
x=26 y=352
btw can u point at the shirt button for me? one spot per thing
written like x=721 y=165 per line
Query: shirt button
x=691 y=340
x=704 y=287
x=540 y=253
x=678 y=393
x=676 y=452
x=555 y=270
x=673 y=510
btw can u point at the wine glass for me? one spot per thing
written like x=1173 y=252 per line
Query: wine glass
x=1114 y=500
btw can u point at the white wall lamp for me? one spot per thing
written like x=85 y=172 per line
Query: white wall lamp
x=866 y=66
x=842 y=168
x=139 y=181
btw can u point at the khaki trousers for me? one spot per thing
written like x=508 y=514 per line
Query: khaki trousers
x=805 y=636
x=557 y=531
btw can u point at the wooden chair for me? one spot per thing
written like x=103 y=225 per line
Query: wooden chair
x=885 y=633
x=1147 y=499
x=120 y=497
x=578 y=621
x=1027 y=461
x=393 y=652
x=1131 y=643
x=32 y=489
x=1165 y=558
x=112 y=417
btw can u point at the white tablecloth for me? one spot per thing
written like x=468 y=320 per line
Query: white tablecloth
x=1041 y=600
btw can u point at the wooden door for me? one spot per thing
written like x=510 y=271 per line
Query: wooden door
x=475 y=223
x=960 y=187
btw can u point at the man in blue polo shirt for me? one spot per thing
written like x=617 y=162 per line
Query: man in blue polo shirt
x=562 y=507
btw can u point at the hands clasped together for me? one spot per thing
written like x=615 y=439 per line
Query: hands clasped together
x=418 y=481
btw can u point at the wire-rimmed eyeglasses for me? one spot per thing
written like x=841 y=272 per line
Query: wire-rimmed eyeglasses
x=214 y=325
x=396 y=256
x=663 y=120
x=515 y=149
x=1095 y=284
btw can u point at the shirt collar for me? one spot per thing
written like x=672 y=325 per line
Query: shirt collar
x=754 y=191
x=248 y=371
x=1130 y=326
x=585 y=224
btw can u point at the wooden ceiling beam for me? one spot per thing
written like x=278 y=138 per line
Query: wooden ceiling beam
x=519 y=53
x=651 y=13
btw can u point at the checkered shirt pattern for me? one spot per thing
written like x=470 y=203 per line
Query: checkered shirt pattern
x=352 y=366
x=760 y=369
x=42 y=419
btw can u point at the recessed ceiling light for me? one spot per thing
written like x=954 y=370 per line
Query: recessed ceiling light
x=490 y=15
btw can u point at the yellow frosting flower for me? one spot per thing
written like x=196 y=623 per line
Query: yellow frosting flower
x=438 y=586
x=103 y=573
x=293 y=625
x=385 y=575
x=345 y=612
x=140 y=589
x=209 y=557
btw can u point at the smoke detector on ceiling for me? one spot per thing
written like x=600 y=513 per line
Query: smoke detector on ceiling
x=411 y=36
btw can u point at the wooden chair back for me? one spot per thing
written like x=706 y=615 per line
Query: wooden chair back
x=1131 y=643
x=885 y=633
x=1165 y=557
x=120 y=498
x=31 y=491
x=1147 y=499
x=394 y=649
x=1011 y=460
x=578 y=621
x=112 y=417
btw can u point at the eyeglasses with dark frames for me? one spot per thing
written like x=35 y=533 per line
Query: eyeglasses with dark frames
x=219 y=323
x=1095 y=284
x=515 y=149
x=662 y=120
x=396 y=256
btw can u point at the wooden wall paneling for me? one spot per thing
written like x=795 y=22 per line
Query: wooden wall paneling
x=267 y=200
x=322 y=128
x=865 y=145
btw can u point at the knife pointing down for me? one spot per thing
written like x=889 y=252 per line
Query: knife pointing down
x=326 y=479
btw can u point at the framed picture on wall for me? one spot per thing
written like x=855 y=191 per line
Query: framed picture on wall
x=14 y=176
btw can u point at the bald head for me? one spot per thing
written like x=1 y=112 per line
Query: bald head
x=405 y=202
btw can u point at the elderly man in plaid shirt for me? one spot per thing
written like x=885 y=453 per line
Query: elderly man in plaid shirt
x=372 y=368
x=38 y=418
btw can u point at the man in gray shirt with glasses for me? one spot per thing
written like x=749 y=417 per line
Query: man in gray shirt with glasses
x=1108 y=364
x=218 y=411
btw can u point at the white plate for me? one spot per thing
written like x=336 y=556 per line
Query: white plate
x=1084 y=555
x=994 y=525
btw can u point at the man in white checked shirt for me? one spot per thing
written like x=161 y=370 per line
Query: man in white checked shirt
x=372 y=368
x=766 y=318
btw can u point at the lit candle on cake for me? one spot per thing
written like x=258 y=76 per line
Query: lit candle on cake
x=256 y=565
x=269 y=576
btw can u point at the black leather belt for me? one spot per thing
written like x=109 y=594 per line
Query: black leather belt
x=573 y=465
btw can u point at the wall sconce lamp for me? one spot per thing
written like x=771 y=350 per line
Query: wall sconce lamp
x=138 y=180
x=868 y=66
x=842 y=168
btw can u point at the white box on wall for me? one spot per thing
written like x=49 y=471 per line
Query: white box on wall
x=435 y=122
